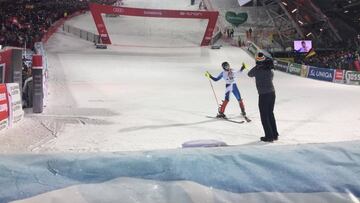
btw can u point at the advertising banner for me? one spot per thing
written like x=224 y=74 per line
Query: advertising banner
x=352 y=77
x=15 y=105
x=4 y=109
x=5 y=64
x=321 y=74
x=281 y=65
x=294 y=69
x=97 y=10
x=339 y=76
x=304 y=71
x=38 y=84
x=39 y=47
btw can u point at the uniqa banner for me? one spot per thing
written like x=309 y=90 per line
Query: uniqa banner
x=321 y=74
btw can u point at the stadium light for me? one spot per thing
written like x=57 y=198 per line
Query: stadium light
x=293 y=11
x=284 y=3
x=308 y=34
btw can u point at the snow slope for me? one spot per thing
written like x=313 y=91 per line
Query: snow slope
x=147 y=97
x=130 y=98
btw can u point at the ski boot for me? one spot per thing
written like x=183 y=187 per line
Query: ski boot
x=243 y=113
x=222 y=109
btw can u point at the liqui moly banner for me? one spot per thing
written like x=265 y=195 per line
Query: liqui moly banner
x=15 y=105
x=4 y=109
x=321 y=74
x=97 y=10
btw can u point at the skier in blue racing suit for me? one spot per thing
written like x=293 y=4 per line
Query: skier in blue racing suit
x=229 y=76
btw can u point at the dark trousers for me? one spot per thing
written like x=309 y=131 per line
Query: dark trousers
x=266 y=107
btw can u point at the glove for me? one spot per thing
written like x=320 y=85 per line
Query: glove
x=243 y=67
x=207 y=74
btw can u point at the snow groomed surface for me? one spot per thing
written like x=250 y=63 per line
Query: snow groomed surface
x=315 y=172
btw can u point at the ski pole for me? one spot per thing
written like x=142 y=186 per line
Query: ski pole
x=212 y=87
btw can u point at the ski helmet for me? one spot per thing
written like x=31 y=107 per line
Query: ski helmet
x=225 y=65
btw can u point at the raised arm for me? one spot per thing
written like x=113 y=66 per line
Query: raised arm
x=252 y=72
x=208 y=75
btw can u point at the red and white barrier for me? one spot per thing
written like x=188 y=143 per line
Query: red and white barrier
x=4 y=109
x=16 y=112
x=11 y=110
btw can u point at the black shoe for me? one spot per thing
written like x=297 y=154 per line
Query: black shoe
x=265 y=139
x=276 y=137
x=221 y=115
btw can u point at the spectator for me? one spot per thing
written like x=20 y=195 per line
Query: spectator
x=264 y=83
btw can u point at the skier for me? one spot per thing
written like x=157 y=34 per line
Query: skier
x=229 y=76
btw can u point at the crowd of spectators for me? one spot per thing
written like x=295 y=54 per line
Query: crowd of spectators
x=24 y=22
x=346 y=60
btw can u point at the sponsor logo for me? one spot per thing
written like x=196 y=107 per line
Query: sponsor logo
x=352 y=76
x=154 y=13
x=339 y=75
x=321 y=74
x=118 y=10
x=103 y=35
x=188 y=13
x=294 y=69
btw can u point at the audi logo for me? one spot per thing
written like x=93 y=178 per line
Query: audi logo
x=118 y=10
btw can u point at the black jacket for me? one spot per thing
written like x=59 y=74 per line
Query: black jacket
x=264 y=76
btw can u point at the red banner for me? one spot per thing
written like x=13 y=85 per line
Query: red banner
x=4 y=108
x=5 y=62
x=339 y=74
x=97 y=10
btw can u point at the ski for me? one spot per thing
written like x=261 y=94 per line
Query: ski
x=226 y=119
x=247 y=119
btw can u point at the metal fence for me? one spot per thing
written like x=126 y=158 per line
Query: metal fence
x=83 y=34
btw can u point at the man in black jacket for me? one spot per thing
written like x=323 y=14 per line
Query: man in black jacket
x=264 y=77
